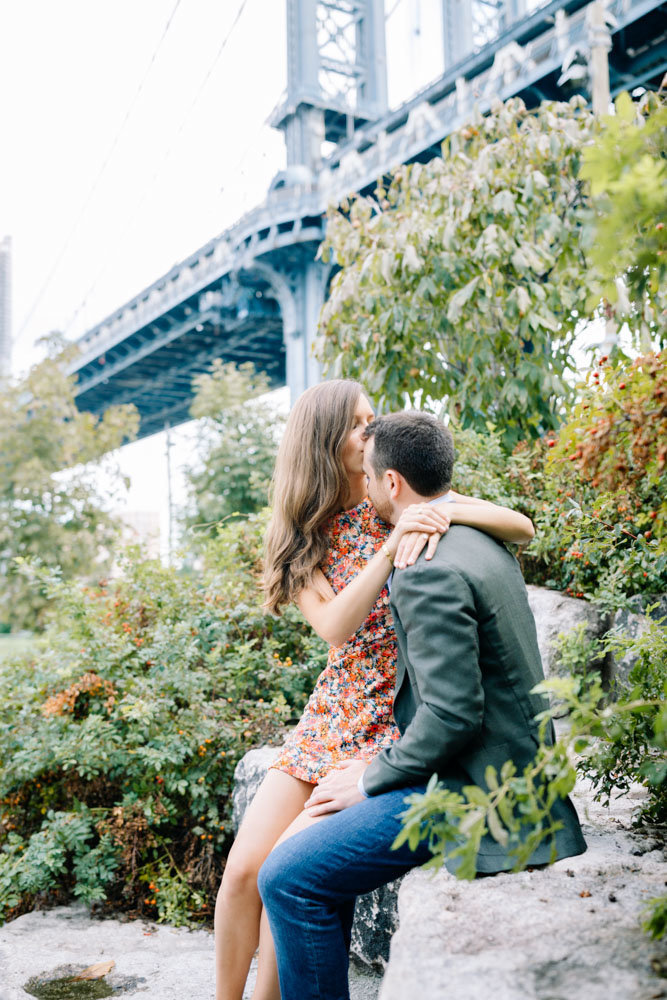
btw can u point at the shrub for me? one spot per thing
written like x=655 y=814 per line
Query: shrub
x=119 y=738
x=603 y=529
x=596 y=491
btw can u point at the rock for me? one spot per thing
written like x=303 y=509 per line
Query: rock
x=160 y=961
x=633 y=623
x=554 y=933
x=375 y=917
x=375 y=921
x=555 y=613
x=640 y=604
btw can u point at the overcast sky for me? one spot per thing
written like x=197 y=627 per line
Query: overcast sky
x=129 y=136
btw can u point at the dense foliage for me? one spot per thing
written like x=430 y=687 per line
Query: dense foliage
x=463 y=279
x=609 y=468
x=50 y=507
x=596 y=491
x=627 y=171
x=238 y=435
x=118 y=739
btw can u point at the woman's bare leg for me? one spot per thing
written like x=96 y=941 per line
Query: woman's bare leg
x=267 y=986
x=279 y=800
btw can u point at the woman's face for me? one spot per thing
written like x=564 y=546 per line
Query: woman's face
x=353 y=452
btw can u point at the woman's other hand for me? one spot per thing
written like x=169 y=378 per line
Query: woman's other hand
x=420 y=525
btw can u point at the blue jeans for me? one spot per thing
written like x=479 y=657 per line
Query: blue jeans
x=309 y=884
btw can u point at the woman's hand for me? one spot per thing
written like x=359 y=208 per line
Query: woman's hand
x=420 y=524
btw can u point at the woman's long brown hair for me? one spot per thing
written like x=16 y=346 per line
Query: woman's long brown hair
x=309 y=486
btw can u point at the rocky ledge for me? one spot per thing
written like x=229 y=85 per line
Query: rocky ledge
x=568 y=932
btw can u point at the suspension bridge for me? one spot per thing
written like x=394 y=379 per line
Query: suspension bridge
x=254 y=292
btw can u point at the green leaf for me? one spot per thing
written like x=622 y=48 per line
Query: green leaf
x=459 y=300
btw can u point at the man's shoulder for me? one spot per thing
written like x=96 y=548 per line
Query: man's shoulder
x=463 y=548
x=462 y=552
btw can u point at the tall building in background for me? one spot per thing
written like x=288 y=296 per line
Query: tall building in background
x=5 y=306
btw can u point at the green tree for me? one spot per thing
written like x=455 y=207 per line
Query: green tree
x=238 y=439
x=627 y=171
x=464 y=279
x=50 y=507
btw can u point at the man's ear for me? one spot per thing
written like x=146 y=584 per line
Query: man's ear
x=394 y=482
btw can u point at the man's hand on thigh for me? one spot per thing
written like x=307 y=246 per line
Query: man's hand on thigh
x=338 y=790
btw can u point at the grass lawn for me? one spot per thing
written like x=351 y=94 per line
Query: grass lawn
x=12 y=645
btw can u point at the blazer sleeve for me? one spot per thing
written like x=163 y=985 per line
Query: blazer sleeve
x=436 y=612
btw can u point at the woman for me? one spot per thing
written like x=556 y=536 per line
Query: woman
x=327 y=550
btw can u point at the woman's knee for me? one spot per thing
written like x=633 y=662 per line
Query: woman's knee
x=240 y=874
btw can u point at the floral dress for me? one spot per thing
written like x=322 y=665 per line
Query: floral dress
x=349 y=713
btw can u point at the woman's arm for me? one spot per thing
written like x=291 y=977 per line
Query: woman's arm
x=335 y=617
x=500 y=522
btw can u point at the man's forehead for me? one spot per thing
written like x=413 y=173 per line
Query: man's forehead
x=369 y=444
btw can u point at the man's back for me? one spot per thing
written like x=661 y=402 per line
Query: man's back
x=468 y=660
x=478 y=569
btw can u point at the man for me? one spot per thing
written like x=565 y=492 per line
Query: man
x=467 y=661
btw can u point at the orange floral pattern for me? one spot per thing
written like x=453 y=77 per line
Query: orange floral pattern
x=349 y=713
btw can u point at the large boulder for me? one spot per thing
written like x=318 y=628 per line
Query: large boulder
x=375 y=918
x=556 y=613
x=569 y=931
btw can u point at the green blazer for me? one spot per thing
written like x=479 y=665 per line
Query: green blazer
x=467 y=661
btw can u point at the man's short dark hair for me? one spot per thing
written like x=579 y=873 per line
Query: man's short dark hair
x=416 y=445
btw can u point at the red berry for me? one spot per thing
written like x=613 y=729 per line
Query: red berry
x=621 y=385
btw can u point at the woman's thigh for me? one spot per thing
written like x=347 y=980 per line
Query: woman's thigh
x=279 y=800
x=299 y=823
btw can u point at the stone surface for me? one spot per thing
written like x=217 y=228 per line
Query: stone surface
x=555 y=613
x=569 y=932
x=633 y=625
x=375 y=917
x=152 y=961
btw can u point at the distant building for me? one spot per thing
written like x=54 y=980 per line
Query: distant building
x=5 y=306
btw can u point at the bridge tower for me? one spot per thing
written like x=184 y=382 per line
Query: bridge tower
x=470 y=24
x=336 y=82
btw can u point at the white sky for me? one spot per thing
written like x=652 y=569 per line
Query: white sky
x=99 y=202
